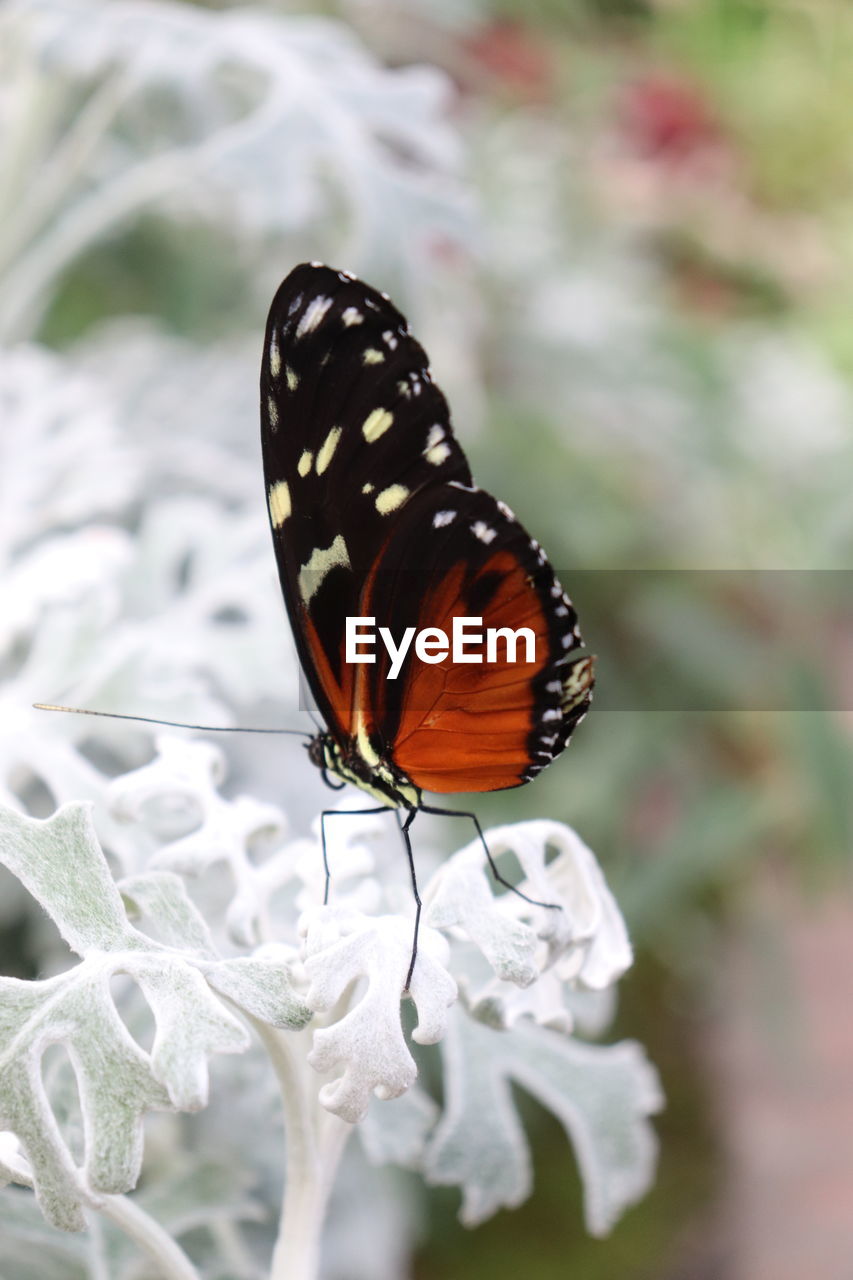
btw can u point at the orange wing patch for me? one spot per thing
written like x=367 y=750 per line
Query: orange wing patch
x=466 y=727
x=340 y=695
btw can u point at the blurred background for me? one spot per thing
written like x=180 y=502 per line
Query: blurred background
x=623 y=229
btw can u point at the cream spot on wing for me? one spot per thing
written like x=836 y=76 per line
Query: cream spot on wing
x=376 y=424
x=303 y=466
x=372 y=356
x=483 y=532
x=441 y=518
x=437 y=454
x=404 y=390
x=272 y=410
x=319 y=564
x=391 y=498
x=352 y=315
x=328 y=447
x=275 y=357
x=312 y=315
x=367 y=488
x=279 y=503
x=292 y=379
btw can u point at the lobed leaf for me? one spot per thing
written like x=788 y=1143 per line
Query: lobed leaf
x=343 y=946
x=602 y=1096
x=60 y=862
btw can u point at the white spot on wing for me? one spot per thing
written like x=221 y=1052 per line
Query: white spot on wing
x=352 y=315
x=367 y=488
x=272 y=410
x=391 y=499
x=320 y=563
x=435 y=435
x=376 y=424
x=279 y=503
x=328 y=447
x=312 y=315
x=437 y=454
x=389 y=339
x=441 y=518
x=483 y=532
x=275 y=357
x=372 y=356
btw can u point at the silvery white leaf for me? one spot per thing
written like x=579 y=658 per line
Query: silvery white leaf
x=343 y=946
x=378 y=137
x=262 y=987
x=59 y=861
x=398 y=1134
x=585 y=938
x=459 y=895
x=187 y=773
x=602 y=1096
x=162 y=898
x=53 y=413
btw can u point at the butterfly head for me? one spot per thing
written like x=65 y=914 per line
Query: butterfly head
x=359 y=763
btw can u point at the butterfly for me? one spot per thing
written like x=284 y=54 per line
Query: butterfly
x=375 y=515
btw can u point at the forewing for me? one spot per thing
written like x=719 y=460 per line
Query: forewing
x=352 y=427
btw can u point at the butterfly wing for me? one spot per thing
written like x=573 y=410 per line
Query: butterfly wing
x=374 y=513
x=478 y=725
x=352 y=425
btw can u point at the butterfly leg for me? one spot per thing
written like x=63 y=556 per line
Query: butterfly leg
x=459 y=813
x=338 y=813
x=404 y=831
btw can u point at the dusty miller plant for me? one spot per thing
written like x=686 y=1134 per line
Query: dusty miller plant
x=192 y=991
x=319 y=986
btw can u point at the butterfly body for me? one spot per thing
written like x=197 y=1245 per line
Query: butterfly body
x=374 y=514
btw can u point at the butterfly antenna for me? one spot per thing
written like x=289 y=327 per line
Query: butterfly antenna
x=172 y=724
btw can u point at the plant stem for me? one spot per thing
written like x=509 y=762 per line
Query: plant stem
x=171 y=1261
x=314 y=1145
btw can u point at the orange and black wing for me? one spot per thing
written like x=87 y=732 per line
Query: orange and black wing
x=475 y=725
x=374 y=513
x=351 y=425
